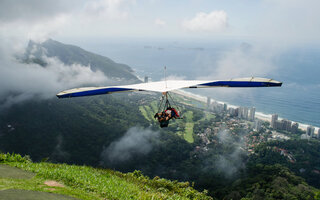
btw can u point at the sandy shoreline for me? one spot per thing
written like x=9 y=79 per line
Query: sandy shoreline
x=258 y=115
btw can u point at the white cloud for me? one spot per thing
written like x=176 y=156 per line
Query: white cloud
x=39 y=32
x=160 y=22
x=135 y=142
x=239 y=62
x=40 y=20
x=245 y=60
x=108 y=9
x=38 y=26
x=212 y=22
x=19 y=82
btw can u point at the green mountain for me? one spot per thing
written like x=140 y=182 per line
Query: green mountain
x=70 y=54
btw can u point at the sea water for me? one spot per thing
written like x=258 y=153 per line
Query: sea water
x=297 y=67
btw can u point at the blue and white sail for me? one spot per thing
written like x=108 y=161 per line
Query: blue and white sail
x=170 y=85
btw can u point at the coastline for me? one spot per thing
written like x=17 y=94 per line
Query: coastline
x=258 y=115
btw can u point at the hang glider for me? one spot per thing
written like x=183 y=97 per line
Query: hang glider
x=165 y=111
x=170 y=85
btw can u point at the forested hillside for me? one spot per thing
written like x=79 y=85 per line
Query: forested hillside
x=68 y=130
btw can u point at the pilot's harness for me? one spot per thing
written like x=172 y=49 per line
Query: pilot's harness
x=165 y=103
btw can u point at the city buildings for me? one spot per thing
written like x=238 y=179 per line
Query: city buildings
x=208 y=102
x=284 y=124
x=215 y=106
x=310 y=131
x=274 y=118
x=243 y=113
x=233 y=112
x=252 y=113
x=257 y=125
x=294 y=128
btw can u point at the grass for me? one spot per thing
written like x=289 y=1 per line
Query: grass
x=85 y=182
x=185 y=130
x=188 y=135
x=154 y=106
x=208 y=116
x=144 y=113
x=149 y=112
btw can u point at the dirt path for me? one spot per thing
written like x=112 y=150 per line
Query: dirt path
x=53 y=183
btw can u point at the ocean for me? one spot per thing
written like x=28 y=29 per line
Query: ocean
x=297 y=67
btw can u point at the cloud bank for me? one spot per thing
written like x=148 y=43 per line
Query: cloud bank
x=135 y=142
x=232 y=162
x=108 y=9
x=245 y=61
x=240 y=61
x=19 y=82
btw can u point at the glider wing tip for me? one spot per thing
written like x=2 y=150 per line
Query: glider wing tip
x=61 y=95
x=278 y=84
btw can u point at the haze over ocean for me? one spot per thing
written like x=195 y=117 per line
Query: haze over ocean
x=297 y=67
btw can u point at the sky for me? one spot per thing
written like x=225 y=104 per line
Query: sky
x=287 y=21
x=283 y=23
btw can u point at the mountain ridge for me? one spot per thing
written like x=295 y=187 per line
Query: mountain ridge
x=72 y=54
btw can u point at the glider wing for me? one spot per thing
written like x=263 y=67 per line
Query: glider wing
x=165 y=86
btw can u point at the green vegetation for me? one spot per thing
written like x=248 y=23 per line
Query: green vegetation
x=270 y=182
x=191 y=116
x=304 y=156
x=144 y=113
x=73 y=130
x=154 y=106
x=188 y=135
x=88 y=183
x=149 y=110
x=83 y=127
